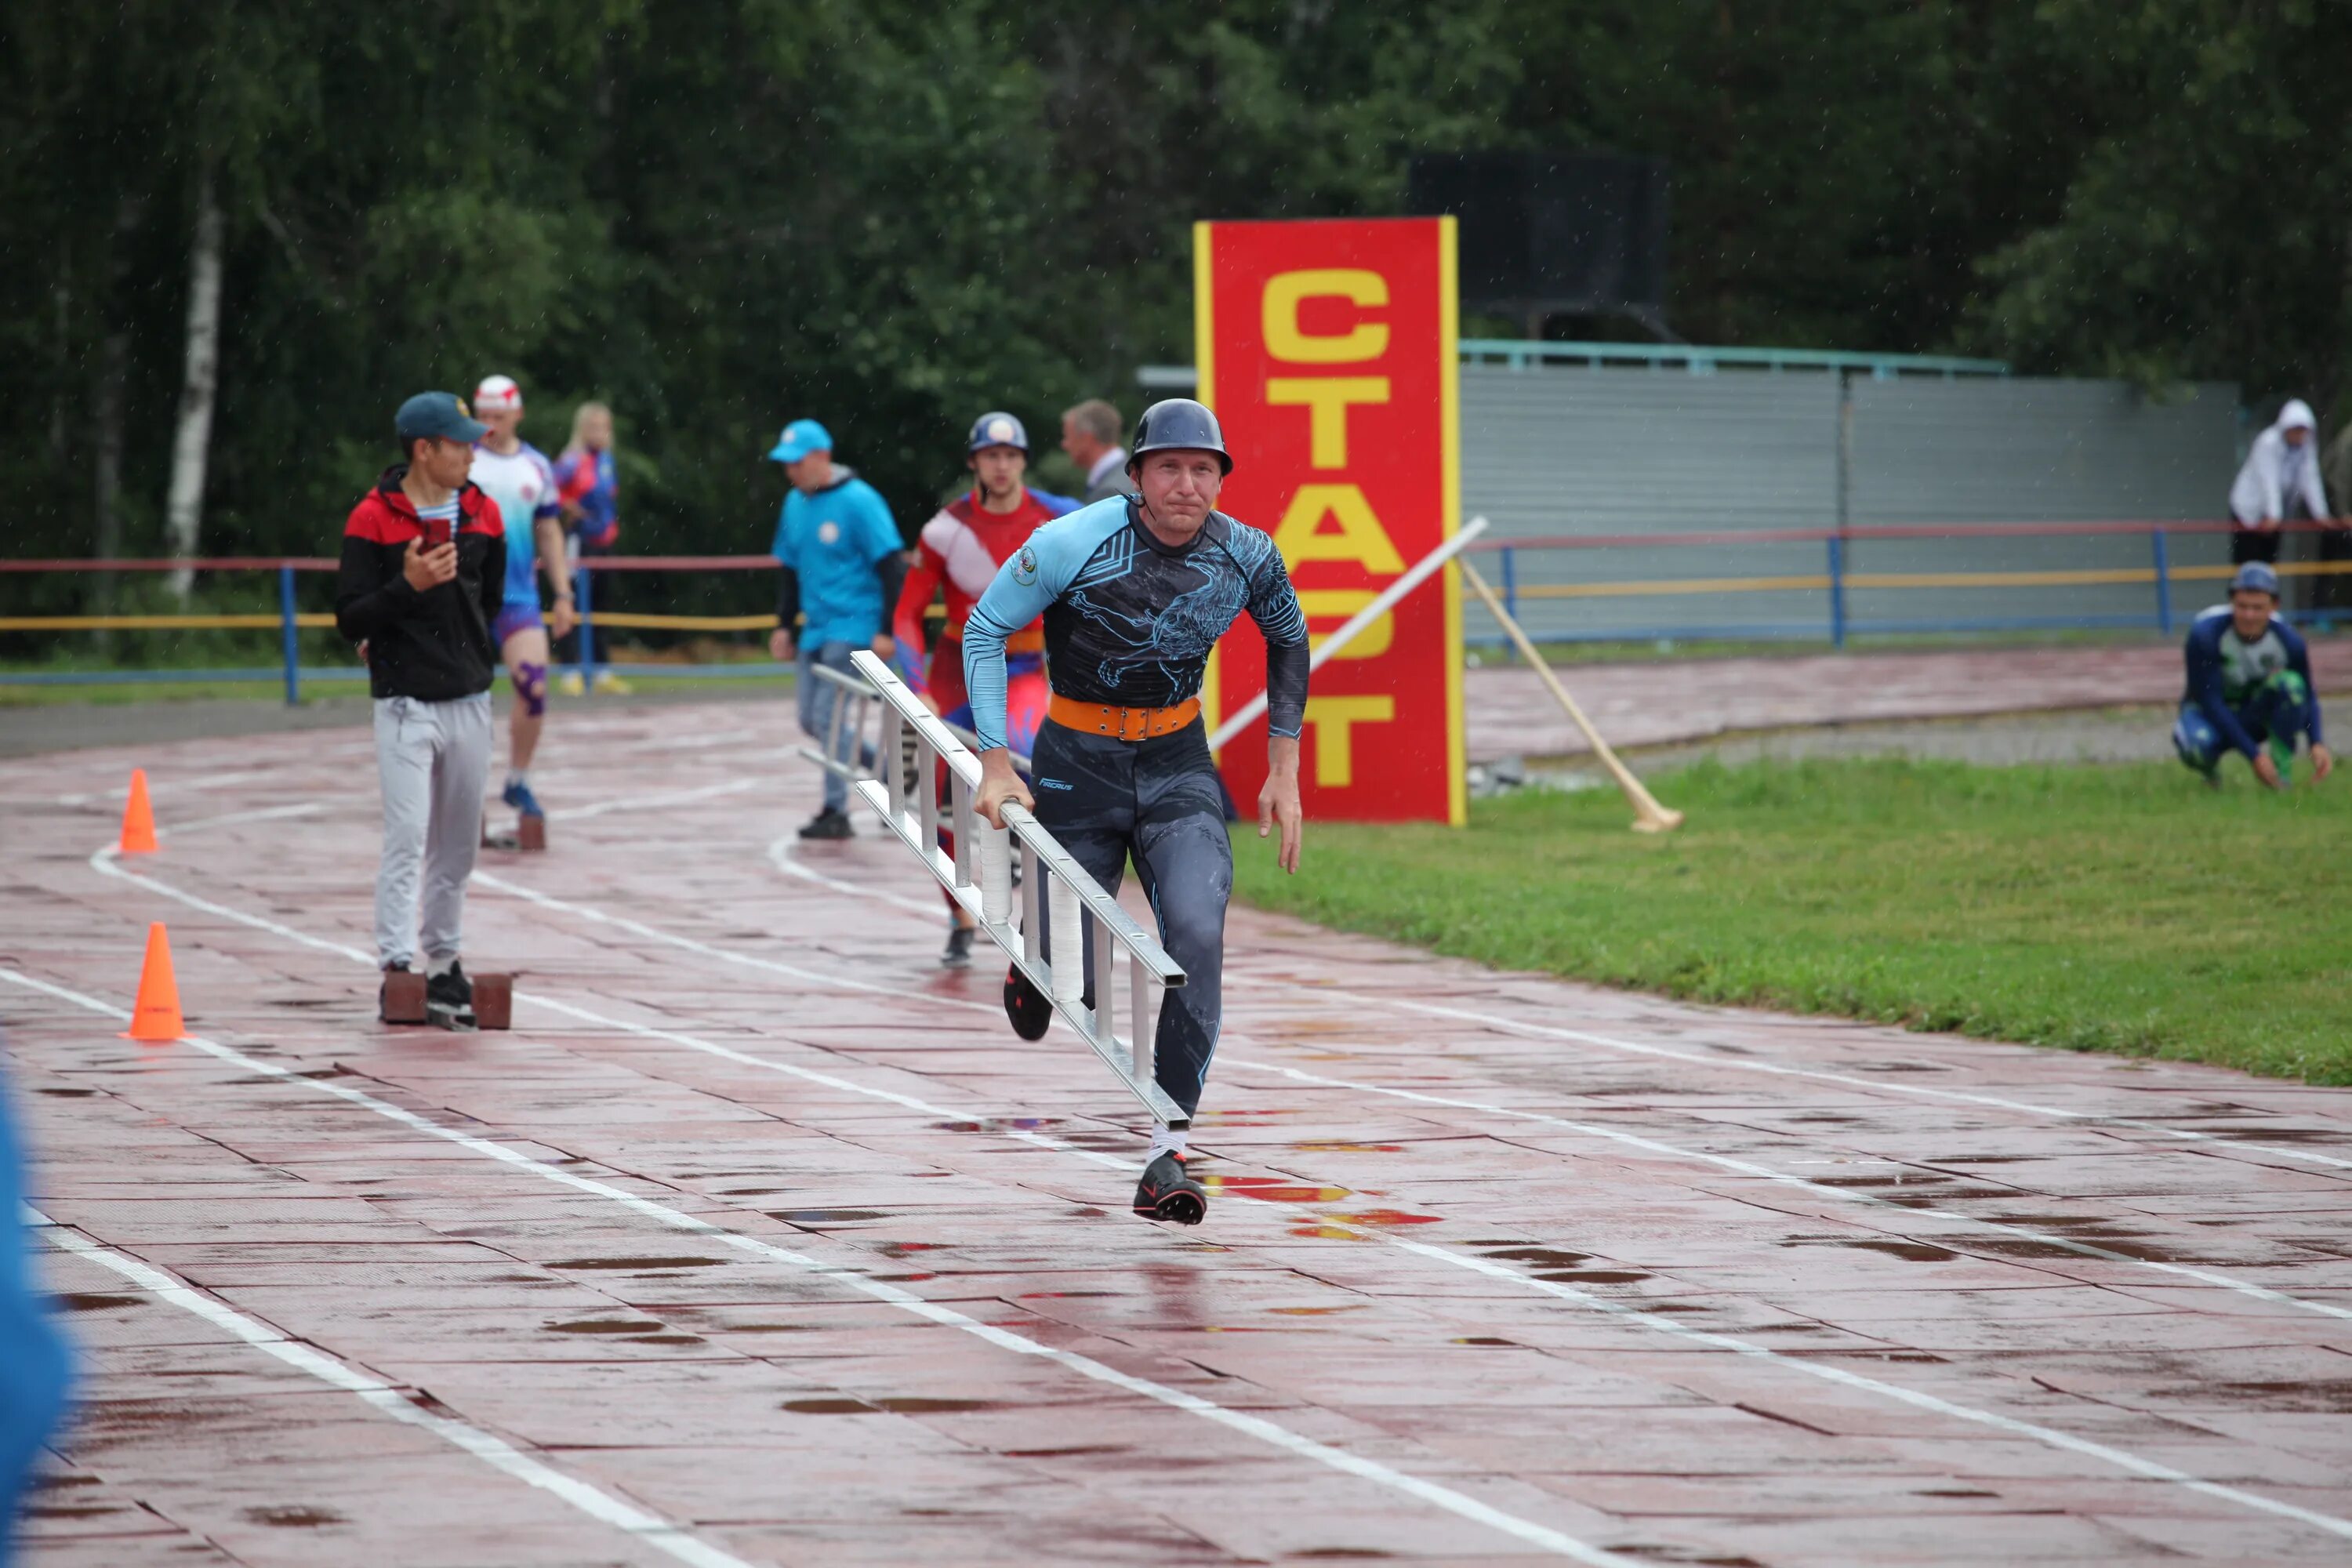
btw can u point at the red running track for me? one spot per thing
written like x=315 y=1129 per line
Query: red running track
x=1657 y=702
x=762 y=1240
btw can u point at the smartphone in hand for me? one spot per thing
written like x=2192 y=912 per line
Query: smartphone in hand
x=436 y=532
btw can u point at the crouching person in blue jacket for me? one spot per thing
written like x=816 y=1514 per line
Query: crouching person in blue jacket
x=2249 y=687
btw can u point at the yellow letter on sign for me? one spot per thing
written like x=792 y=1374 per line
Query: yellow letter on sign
x=1334 y=719
x=1326 y=398
x=1342 y=605
x=1279 y=316
x=1360 y=538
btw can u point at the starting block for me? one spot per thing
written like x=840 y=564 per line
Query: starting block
x=403 y=998
x=404 y=1001
x=531 y=833
x=1063 y=912
x=493 y=1001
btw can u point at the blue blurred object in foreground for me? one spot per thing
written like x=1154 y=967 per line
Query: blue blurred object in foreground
x=32 y=1367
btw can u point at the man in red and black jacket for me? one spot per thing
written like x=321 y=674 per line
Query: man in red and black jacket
x=424 y=572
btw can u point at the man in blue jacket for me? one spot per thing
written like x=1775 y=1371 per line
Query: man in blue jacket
x=2249 y=687
x=843 y=564
x=1135 y=591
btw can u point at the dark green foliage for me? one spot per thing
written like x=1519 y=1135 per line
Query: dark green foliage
x=721 y=214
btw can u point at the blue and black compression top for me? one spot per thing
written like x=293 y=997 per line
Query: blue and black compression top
x=2224 y=671
x=1129 y=621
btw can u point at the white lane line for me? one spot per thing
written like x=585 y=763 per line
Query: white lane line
x=648 y=801
x=161 y=787
x=779 y=853
x=1269 y=1432
x=384 y=1397
x=703 y=741
x=1639 y=1047
x=724 y=955
x=264 y=814
x=1659 y=1321
x=1818 y=1189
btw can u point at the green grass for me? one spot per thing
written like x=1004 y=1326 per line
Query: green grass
x=2110 y=908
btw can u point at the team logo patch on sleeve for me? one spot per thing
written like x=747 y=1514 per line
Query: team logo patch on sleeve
x=1024 y=567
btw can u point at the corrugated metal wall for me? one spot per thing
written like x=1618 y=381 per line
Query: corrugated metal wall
x=1583 y=450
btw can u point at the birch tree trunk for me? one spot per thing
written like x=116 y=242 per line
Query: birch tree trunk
x=192 y=442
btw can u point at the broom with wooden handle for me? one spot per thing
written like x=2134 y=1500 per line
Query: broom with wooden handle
x=1649 y=816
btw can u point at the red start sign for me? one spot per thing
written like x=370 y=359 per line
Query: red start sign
x=1327 y=348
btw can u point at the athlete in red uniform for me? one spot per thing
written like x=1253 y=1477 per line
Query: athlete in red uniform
x=961 y=549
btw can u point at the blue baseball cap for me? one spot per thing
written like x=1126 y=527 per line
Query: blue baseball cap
x=801 y=437
x=437 y=414
x=2255 y=577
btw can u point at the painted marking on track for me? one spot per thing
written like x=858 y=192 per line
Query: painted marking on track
x=266 y=813
x=1818 y=1189
x=1660 y=1322
x=708 y=739
x=743 y=960
x=384 y=1397
x=648 y=801
x=1779 y=1069
x=1269 y=1432
x=779 y=853
x=159 y=786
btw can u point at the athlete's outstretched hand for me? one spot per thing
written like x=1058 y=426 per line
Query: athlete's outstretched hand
x=999 y=784
x=1278 y=800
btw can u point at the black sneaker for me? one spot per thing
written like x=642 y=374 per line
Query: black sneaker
x=1167 y=1192
x=1026 y=1006
x=959 y=950
x=449 y=998
x=830 y=823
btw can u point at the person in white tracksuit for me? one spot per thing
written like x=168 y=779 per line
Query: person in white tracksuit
x=2278 y=483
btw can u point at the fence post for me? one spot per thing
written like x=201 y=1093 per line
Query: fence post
x=587 y=665
x=287 y=628
x=1837 y=592
x=1511 y=581
x=2163 y=582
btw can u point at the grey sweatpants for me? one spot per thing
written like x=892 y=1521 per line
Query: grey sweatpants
x=817 y=697
x=1158 y=802
x=434 y=758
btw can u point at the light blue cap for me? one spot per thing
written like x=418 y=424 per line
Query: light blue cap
x=801 y=437
x=2255 y=577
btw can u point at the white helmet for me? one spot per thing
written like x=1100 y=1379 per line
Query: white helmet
x=497 y=395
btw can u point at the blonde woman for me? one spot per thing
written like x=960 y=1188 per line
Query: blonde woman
x=588 y=491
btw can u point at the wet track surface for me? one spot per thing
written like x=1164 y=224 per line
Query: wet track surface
x=761 y=1239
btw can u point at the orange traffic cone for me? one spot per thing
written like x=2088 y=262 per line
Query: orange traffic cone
x=138 y=819
x=155 y=1017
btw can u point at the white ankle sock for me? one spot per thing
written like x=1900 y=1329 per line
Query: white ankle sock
x=518 y=776
x=437 y=967
x=1165 y=1141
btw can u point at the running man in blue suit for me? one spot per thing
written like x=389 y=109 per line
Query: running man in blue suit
x=2249 y=688
x=1136 y=590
